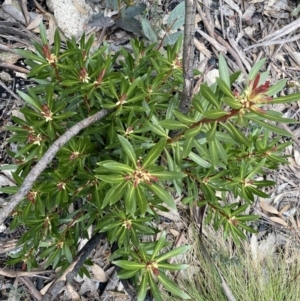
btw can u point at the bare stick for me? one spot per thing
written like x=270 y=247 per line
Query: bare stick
x=188 y=55
x=46 y=159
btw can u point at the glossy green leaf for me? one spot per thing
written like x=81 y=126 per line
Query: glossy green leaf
x=224 y=87
x=172 y=267
x=223 y=71
x=173 y=253
x=125 y=274
x=233 y=103
x=112 y=179
x=128 y=149
x=129 y=265
x=187 y=147
x=168 y=175
x=193 y=131
x=211 y=134
x=159 y=245
x=183 y=118
x=154 y=153
x=278 y=87
x=215 y=114
x=255 y=69
x=284 y=99
x=235 y=133
x=200 y=161
x=171 y=286
x=209 y=95
x=142 y=291
x=114 y=194
x=272 y=128
x=141 y=199
x=156 y=292
x=130 y=201
x=163 y=194
x=34 y=103
x=118 y=167
x=172 y=124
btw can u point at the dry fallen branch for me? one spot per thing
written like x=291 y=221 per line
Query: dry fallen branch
x=46 y=159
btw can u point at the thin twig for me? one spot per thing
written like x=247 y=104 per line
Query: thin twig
x=46 y=159
x=32 y=289
x=10 y=91
x=25 y=12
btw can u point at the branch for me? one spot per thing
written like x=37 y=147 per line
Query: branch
x=188 y=56
x=46 y=159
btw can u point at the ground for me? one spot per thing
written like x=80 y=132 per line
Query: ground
x=244 y=32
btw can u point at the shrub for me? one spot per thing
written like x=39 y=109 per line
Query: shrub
x=141 y=153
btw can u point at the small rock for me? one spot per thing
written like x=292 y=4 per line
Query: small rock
x=71 y=15
x=4 y=76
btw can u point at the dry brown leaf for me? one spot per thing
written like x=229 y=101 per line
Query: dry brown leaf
x=98 y=273
x=71 y=293
x=284 y=209
x=174 y=232
x=278 y=220
x=297 y=156
x=35 y=23
x=268 y=208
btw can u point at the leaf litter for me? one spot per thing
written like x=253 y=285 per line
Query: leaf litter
x=248 y=30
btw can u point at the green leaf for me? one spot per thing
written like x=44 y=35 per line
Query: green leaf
x=43 y=34
x=162 y=194
x=9 y=189
x=224 y=88
x=187 y=147
x=128 y=149
x=157 y=129
x=129 y=265
x=118 y=167
x=30 y=56
x=183 y=118
x=197 y=159
x=223 y=71
x=154 y=153
x=171 y=124
x=173 y=253
x=112 y=179
x=125 y=274
x=215 y=114
x=114 y=194
x=156 y=292
x=211 y=134
x=34 y=103
x=159 y=244
x=142 y=291
x=172 y=267
x=193 y=131
x=271 y=127
x=233 y=103
x=167 y=175
x=176 y=18
x=148 y=31
x=213 y=151
x=256 y=169
x=235 y=133
x=141 y=199
x=130 y=201
x=171 y=286
x=56 y=42
x=278 y=87
x=209 y=95
x=285 y=99
x=67 y=252
x=255 y=69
